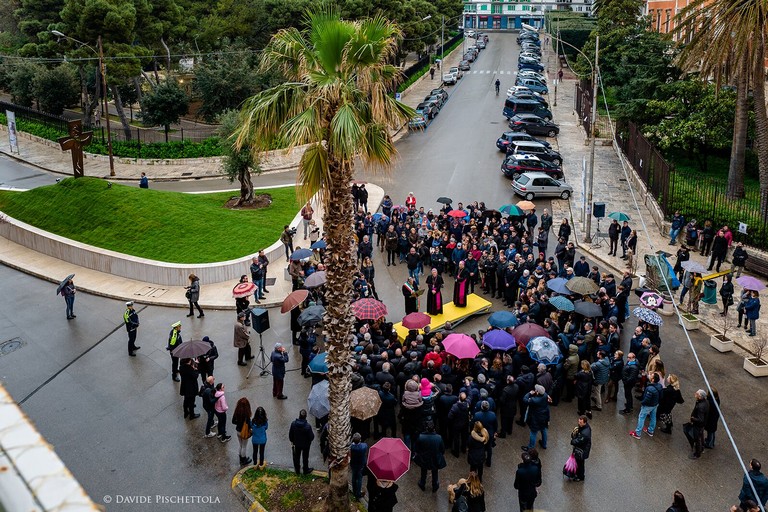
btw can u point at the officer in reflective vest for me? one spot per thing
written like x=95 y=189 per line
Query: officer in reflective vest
x=174 y=340
x=131 y=319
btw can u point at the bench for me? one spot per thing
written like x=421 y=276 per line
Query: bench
x=757 y=265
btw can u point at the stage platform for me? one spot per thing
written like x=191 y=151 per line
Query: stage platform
x=476 y=305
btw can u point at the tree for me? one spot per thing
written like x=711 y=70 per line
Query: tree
x=22 y=80
x=57 y=88
x=165 y=105
x=238 y=162
x=335 y=100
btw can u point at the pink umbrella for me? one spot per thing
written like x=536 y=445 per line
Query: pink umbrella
x=461 y=346
x=243 y=290
x=416 y=320
x=389 y=459
x=458 y=214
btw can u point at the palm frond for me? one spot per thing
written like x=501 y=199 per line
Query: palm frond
x=346 y=132
x=314 y=174
x=263 y=115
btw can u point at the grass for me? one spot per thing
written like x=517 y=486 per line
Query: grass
x=165 y=226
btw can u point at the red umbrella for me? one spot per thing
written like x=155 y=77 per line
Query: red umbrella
x=461 y=346
x=369 y=309
x=416 y=320
x=293 y=300
x=524 y=333
x=243 y=290
x=459 y=214
x=389 y=459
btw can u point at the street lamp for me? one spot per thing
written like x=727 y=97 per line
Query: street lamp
x=103 y=69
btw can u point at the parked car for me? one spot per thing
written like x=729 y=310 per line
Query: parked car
x=464 y=65
x=428 y=109
x=470 y=33
x=529 y=73
x=527 y=147
x=470 y=56
x=517 y=89
x=533 y=124
x=529 y=38
x=440 y=91
x=530 y=47
x=530 y=96
x=536 y=184
x=480 y=44
x=530 y=55
x=514 y=106
x=528 y=60
x=533 y=85
x=515 y=165
x=530 y=65
x=437 y=99
x=417 y=122
x=505 y=141
x=449 y=79
x=456 y=71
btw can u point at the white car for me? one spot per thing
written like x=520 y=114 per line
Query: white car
x=456 y=71
x=449 y=79
x=470 y=33
x=538 y=184
x=529 y=73
x=517 y=88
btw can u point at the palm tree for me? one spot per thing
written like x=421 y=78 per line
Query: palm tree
x=335 y=100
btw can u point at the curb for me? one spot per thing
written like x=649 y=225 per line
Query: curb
x=247 y=500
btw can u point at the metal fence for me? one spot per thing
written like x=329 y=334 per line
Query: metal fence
x=582 y=104
x=32 y=115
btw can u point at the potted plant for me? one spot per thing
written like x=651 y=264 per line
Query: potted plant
x=689 y=321
x=721 y=342
x=756 y=365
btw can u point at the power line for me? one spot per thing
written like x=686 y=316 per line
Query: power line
x=124 y=57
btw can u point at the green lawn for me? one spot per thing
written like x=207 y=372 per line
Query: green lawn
x=165 y=226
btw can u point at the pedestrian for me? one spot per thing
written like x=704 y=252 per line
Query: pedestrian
x=614 y=230
x=678 y=221
x=174 y=340
x=279 y=357
x=220 y=407
x=391 y=244
x=207 y=394
x=583 y=388
x=759 y=481
x=726 y=293
x=564 y=231
x=411 y=296
x=193 y=295
x=189 y=387
x=205 y=362
x=710 y=427
x=478 y=438
x=68 y=292
x=432 y=73
x=488 y=418
x=527 y=482
x=719 y=251
x=694 y=430
x=242 y=304
x=306 y=217
x=434 y=295
x=358 y=458
x=695 y=294
x=383 y=496
x=369 y=273
x=678 y=503
x=430 y=455
x=581 y=440
x=264 y=263
x=617 y=368
x=242 y=340
x=241 y=419
x=301 y=436
x=97 y=118
x=131 y=319
x=144 y=181
x=571 y=369
x=601 y=371
x=739 y=259
x=649 y=403
x=670 y=396
x=286 y=237
x=743 y=298
x=752 y=310
x=362 y=193
x=508 y=406
x=537 y=416
x=458 y=419
x=259 y=426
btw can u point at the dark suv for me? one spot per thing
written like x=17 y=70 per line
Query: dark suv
x=533 y=124
x=504 y=143
x=525 y=147
x=515 y=165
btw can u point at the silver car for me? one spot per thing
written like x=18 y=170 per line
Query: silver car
x=538 y=184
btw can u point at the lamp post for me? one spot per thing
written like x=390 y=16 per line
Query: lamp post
x=103 y=70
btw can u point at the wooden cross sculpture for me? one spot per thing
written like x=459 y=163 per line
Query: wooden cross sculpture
x=75 y=143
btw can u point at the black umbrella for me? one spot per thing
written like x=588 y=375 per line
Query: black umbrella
x=444 y=200
x=588 y=309
x=311 y=316
x=191 y=349
x=492 y=213
x=64 y=283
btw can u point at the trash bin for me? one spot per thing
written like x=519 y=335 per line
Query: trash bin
x=710 y=292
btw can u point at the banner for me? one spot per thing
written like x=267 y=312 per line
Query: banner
x=11 y=116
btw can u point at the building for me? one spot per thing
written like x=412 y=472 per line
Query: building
x=511 y=14
x=662 y=13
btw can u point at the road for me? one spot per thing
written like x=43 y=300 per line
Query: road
x=117 y=421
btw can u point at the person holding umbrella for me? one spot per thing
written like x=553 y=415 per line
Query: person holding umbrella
x=241 y=299
x=68 y=292
x=174 y=340
x=131 y=319
x=205 y=362
x=189 y=387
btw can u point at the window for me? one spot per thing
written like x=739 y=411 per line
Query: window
x=484 y=7
x=540 y=182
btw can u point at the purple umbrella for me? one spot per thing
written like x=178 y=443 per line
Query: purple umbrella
x=750 y=283
x=498 y=339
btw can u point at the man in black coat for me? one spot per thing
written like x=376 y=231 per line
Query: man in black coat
x=189 y=387
x=508 y=406
x=430 y=455
x=301 y=436
x=205 y=362
x=458 y=418
x=279 y=358
x=581 y=440
x=614 y=230
x=698 y=420
x=445 y=402
x=527 y=479
x=489 y=421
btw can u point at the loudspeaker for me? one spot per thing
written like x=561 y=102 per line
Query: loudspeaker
x=260 y=319
x=598 y=210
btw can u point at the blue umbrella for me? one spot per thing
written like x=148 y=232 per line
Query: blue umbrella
x=320 y=244
x=318 y=364
x=648 y=316
x=561 y=303
x=301 y=254
x=377 y=216
x=557 y=285
x=543 y=350
x=499 y=340
x=502 y=319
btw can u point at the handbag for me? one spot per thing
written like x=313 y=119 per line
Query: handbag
x=188 y=294
x=245 y=432
x=570 y=467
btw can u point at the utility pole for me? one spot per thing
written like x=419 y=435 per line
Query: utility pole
x=591 y=173
x=442 y=41
x=103 y=67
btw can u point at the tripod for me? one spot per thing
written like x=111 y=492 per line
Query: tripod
x=261 y=361
x=597 y=237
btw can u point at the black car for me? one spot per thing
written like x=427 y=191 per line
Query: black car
x=504 y=143
x=530 y=96
x=533 y=124
x=515 y=165
x=437 y=98
x=441 y=92
x=464 y=65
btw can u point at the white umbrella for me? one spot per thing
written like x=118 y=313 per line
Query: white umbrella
x=317 y=401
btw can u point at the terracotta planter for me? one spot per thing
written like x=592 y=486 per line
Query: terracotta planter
x=689 y=322
x=756 y=370
x=718 y=344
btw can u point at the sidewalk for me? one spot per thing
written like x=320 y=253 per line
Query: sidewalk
x=611 y=187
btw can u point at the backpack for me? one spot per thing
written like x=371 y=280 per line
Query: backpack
x=209 y=400
x=460 y=505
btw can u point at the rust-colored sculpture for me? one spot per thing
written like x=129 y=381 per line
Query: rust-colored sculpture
x=75 y=143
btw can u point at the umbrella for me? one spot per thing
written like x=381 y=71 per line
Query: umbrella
x=364 y=403
x=502 y=319
x=619 y=216
x=301 y=254
x=512 y=209
x=315 y=279
x=457 y=214
x=648 y=316
x=293 y=300
x=389 y=459
x=588 y=309
x=526 y=205
x=369 y=309
x=318 y=364
x=191 y=349
x=651 y=300
x=543 y=350
x=377 y=216
x=694 y=267
x=317 y=401
x=558 y=285
x=491 y=213
x=444 y=200
x=750 y=283
x=561 y=303
x=320 y=244
x=243 y=290
x=524 y=333
x=581 y=285
x=416 y=320
x=498 y=339
x=311 y=316
x=64 y=283
x=461 y=346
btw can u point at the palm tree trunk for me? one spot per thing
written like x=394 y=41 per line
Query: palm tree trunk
x=338 y=221
x=761 y=124
x=740 y=123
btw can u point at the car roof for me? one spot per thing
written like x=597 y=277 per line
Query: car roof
x=528 y=115
x=534 y=175
x=524 y=101
x=524 y=157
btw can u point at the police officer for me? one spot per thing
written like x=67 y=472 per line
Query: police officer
x=174 y=340
x=131 y=319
